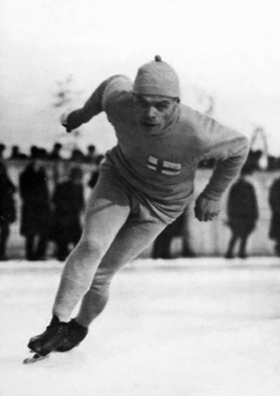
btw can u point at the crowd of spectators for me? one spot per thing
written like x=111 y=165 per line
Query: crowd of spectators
x=44 y=215
x=55 y=154
x=92 y=157
x=56 y=216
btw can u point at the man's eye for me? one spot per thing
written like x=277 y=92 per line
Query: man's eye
x=161 y=107
x=142 y=103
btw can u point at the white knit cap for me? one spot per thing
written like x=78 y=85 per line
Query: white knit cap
x=157 y=78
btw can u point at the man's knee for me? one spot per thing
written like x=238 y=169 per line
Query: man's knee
x=90 y=248
x=101 y=281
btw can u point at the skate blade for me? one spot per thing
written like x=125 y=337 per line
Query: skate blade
x=35 y=358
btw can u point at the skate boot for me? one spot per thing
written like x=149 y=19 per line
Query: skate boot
x=75 y=334
x=52 y=337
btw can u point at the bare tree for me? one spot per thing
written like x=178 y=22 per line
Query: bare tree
x=200 y=100
x=64 y=99
x=64 y=94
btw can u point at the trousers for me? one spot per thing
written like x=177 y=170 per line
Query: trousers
x=118 y=225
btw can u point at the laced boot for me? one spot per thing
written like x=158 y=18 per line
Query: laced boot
x=50 y=339
x=75 y=334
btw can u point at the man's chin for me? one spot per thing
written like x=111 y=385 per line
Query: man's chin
x=151 y=128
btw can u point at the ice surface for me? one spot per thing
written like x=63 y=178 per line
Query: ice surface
x=205 y=327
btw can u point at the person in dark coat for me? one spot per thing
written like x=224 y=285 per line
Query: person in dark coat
x=91 y=156
x=2 y=150
x=68 y=201
x=162 y=244
x=55 y=154
x=16 y=154
x=242 y=210
x=274 y=202
x=7 y=209
x=35 y=214
x=93 y=178
x=95 y=174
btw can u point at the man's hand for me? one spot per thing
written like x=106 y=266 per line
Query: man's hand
x=206 y=209
x=63 y=120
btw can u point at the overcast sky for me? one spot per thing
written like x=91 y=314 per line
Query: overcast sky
x=228 y=50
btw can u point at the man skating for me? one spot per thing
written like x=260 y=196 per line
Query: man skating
x=145 y=183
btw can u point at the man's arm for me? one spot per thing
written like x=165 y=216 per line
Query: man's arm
x=230 y=150
x=230 y=160
x=95 y=104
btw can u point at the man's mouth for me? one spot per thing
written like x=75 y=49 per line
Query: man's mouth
x=149 y=124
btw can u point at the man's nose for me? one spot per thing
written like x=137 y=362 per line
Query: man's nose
x=151 y=112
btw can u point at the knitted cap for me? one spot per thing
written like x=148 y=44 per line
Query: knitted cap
x=157 y=78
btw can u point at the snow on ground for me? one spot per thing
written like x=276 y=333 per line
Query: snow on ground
x=202 y=327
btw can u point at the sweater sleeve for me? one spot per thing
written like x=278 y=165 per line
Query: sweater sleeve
x=230 y=150
x=95 y=104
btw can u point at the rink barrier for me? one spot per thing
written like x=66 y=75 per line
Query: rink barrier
x=206 y=239
x=138 y=265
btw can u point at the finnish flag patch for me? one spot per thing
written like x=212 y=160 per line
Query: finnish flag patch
x=164 y=167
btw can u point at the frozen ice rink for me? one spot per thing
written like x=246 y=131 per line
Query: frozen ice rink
x=204 y=327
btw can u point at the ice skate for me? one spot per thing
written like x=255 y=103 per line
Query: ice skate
x=75 y=334
x=34 y=358
x=48 y=341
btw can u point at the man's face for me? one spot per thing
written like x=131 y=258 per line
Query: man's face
x=153 y=113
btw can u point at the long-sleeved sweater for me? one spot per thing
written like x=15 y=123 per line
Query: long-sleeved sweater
x=162 y=167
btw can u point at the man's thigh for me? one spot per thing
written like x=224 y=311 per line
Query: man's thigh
x=131 y=240
x=107 y=210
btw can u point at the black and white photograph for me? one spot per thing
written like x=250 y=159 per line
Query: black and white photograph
x=140 y=198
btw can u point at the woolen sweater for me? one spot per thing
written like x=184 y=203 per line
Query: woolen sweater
x=162 y=166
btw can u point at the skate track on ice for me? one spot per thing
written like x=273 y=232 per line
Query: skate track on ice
x=198 y=327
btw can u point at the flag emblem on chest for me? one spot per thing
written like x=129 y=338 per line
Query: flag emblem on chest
x=164 y=167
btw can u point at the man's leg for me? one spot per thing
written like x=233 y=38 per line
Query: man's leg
x=133 y=238
x=243 y=244
x=29 y=247
x=107 y=211
x=62 y=250
x=277 y=248
x=3 y=238
x=161 y=248
x=232 y=242
x=40 y=252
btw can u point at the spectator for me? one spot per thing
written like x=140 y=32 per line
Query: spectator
x=2 y=149
x=35 y=217
x=274 y=202
x=93 y=179
x=242 y=209
x=91 y=156
x=95 y=174
x=68 y=200
x=162 y=245
x=253 y=159
x=7 y=209
x=55 y=153
x=16 y=153
x=42 y=153
x=34 y=152
x=77 y=155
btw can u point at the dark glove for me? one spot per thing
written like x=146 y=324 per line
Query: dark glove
x=63 y=120
x=206 y=209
